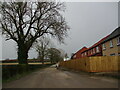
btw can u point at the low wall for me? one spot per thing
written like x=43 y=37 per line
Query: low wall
x=93 y=64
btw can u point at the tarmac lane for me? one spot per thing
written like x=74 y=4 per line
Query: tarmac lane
x=53 y=78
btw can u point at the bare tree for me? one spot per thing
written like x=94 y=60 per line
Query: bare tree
x=54 y=55
x=41 y=46
x=24 y=22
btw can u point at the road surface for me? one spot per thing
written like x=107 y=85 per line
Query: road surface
x=53 y=78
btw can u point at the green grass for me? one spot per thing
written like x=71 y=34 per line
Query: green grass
x=18 y=75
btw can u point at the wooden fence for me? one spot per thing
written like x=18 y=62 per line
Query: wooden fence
x=93 y=64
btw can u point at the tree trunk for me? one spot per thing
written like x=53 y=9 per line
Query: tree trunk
x=22 y=54
x=42 y=58
x=42 y=61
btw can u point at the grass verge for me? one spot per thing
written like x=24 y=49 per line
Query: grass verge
x=11 y=73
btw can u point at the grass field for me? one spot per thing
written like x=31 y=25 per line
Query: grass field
x=28 y=63
x=12 y=71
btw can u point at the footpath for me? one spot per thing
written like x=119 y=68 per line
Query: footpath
x=115 y=75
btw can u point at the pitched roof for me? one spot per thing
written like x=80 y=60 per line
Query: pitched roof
x=99 y=42
x=114 y=34
x=81 y=50
x=96 y=44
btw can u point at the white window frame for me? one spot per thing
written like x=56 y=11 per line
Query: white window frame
x=111 y=44
x=103 y=46
x=97 y=49
x=118 y=40
x=91 y=51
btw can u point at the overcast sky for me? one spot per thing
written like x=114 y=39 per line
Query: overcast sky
x=88 y=21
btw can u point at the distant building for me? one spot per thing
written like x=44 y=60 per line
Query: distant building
x=66 y=59
x=111 y=45
x=94 y=50
x=107 y=46
x=77 y=55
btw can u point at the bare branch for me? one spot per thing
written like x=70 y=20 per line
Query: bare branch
x=24 y=22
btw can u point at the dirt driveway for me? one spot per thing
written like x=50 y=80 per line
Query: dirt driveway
x=53 y=78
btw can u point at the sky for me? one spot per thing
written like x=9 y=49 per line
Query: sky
x=89 y=22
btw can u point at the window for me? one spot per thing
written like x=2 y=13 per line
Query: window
x=97 y=49
x=93 y=50
x=113 y=54
x=118 y=40
x=111 y=44
x=103 y=46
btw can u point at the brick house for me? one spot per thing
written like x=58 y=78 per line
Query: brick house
x=111 y=45
x=94 y=50
x=107 y=46
x=77 y=55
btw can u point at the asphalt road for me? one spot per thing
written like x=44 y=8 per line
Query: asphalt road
x=53 y=78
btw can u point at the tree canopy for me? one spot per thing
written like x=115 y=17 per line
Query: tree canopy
x=24 y=22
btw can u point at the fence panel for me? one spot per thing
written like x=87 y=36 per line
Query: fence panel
x=94 y=64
